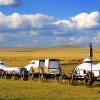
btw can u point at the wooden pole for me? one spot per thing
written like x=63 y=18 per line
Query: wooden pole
x=91 y=64
x=91 y=55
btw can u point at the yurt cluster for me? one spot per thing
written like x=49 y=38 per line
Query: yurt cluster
x=51 y=68
x=46 y=68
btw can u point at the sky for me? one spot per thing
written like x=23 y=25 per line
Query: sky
x=35 y=23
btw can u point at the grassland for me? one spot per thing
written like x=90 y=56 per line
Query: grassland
x=70 y=56
x=46 y=90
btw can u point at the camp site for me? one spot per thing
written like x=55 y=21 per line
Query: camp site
x=49 y=49
x=73 y=69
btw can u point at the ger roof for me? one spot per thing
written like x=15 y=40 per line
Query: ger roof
x=86 y=60
x=86 y=65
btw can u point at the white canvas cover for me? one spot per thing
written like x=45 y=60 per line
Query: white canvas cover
x=2 y=65
x=97 y=66
x=85 y=66
x=33 y=64
x=46 y=62
x=10 y=69
x=97 y=70
x=32 y=61
x=1 y=62
x=30 y=65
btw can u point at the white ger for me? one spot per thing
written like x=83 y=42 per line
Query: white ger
x=85 y=67
x=49 y=66
x=9 y=69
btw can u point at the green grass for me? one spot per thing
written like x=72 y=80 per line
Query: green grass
x=45 y=90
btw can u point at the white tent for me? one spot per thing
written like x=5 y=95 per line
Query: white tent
x=2 y=65
x=96 y=69
x=84 y=67
x=32 y=64
x=97 y=66
x=32 y=61
x=10 y=69
x=29 y=66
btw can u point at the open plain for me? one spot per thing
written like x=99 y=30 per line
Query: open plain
x=69 y=56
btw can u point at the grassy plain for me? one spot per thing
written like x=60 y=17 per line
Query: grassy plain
x=46 y=90
x=70 y=56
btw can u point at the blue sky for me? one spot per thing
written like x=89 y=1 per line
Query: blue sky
x=26 y=23
x=56 y=8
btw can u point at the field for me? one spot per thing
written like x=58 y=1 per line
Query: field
x=46 y=90
x=70 y=56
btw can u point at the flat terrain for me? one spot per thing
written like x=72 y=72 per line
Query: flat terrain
x=70 y=56
x=46 y=90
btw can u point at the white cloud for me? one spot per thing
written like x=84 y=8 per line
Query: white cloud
x=39 y=39
x=8 y=2
x=76 y=40
x=70 y=40
x=65 y=23
x=27 y=22
x=2 y=37
x=34 y=32
x=63 y=26
x=35 y=23
x=85 y=20
x=80 y=22
x=60 y=39
x=96 y=39
x=30 y=25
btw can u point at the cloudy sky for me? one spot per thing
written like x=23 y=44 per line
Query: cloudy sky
x=29 y=23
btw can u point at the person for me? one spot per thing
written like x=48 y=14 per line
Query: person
x=41 y=72
x=31 y=73
x=60 y=68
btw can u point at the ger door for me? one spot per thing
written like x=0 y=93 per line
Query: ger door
x=41 y=66
x=53 y=67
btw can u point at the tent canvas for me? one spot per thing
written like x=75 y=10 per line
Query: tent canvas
x=85 y=66
x=96 y=70
x=2 y=65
